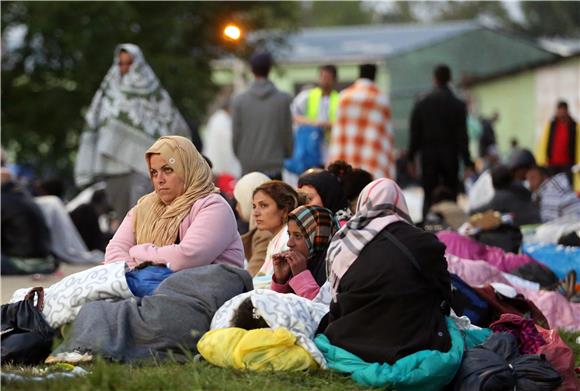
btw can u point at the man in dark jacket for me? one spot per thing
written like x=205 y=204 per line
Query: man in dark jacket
x=262 y=123
x=439 y=133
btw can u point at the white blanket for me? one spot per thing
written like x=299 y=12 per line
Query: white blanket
x=297 y=314
x=63 y=300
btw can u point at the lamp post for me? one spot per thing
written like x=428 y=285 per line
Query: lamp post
x=233 y=33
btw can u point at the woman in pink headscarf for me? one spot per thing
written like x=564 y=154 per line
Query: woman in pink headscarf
x=389 y=280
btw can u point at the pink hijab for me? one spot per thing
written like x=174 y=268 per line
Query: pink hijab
x=380 y=204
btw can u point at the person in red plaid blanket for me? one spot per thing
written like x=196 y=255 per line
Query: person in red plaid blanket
x=362 y=135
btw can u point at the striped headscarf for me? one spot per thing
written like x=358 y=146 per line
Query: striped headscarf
x=317 y=224
x=156 y=222
x=380 y=204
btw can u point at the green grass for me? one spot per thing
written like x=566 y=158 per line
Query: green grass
x=200 y=376
x=570 y=339
x=190 y=376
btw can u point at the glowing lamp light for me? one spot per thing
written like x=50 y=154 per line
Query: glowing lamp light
x=232 y=32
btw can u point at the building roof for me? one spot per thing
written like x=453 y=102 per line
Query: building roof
x=368 y=42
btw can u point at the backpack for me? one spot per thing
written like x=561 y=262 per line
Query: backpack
x=466 y=301
x=26 y=337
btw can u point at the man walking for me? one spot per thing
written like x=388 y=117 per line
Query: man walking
x=439 y=134
x=361 y=134
x=262 y=123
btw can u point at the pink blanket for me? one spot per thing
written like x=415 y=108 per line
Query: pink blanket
x=560 y=313
x=467 y=248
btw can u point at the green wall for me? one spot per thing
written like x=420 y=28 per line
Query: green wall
x=513 y=97
x=286 y=76
x=474 y=54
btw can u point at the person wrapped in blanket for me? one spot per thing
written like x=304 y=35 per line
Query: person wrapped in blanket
x=302 y=269
x=389 y=280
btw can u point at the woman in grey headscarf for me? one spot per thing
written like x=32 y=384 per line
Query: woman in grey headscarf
x=127 y=114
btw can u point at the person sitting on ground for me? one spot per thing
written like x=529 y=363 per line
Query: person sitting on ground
x=510 y=197
x=445 y=204
x=553 y=194
x=184 y=222
x=324 y=189
x=481 y=192
x=353 y=180
x=49 y=187
x=255 y=241
x=302 y=269
x=272 y=202
x=25 y=234
x=86 y=218
x=389 y=279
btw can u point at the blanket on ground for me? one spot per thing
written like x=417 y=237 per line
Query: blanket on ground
x=467 y=248
x=560 y=259
x=297 y=314
x=423 y=370
x=168 y=323
x=63 y=300
x=560 y=313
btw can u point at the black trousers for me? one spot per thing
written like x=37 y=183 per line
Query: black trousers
x=439 y=167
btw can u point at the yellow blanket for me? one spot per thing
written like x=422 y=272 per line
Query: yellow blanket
x=256 y=350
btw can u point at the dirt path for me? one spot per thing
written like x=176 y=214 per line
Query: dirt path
x=10 y=283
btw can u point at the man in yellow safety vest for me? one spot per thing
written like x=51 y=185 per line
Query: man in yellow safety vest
x=317 y=106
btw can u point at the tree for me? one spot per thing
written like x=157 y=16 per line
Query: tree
x=399 y=12
x=335 y=13
x=51 y=72
x=551 y=18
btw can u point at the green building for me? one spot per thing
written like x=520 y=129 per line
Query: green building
x=405 y=54
x=525 y=98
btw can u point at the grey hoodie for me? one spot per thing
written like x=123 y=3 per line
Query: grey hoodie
x=262 y=128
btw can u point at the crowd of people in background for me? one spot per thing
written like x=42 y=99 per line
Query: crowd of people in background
x=315 y=213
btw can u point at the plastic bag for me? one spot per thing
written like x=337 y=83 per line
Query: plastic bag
x=143 y=281
x=26 y=337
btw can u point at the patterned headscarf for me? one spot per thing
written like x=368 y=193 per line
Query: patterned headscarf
x=317 y=224
x=380 y=204
x=156 y=222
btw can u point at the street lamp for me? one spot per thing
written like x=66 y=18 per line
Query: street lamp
x=232 y=32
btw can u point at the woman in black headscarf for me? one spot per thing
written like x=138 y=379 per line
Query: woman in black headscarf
x=324 y=189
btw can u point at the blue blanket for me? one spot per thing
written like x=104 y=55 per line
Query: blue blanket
x=421 y=371
x=560 y=259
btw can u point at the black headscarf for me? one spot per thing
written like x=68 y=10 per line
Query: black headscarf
x=329 y=188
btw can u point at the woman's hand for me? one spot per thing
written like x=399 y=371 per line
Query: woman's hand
x=282 y=272
x=297 y=262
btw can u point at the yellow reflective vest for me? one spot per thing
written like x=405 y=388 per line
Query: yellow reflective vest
x=313 y=105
